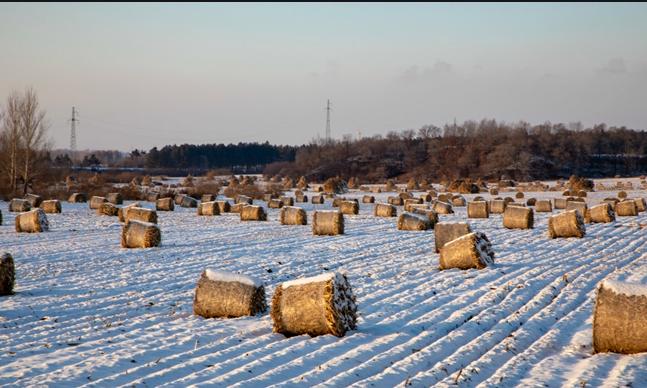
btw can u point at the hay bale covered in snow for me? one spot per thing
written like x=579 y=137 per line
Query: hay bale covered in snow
x=51 y=206
x=207 y=198
x=319 y=305
x=139 y=214
x=442 y=208
x=368 y=199
x=220 y=294
x=626 y=208
x=19 y=205
x=34 y=200
x=33 y=221
x=210 y=208
x=115 y=198
x=412 y=221
x=517 y=217
x=620 y=317
x=543 y=206
x=458 y=201
x=291 y=215
x=275 y=204
x=497 y=206
x=253 y=213
x=327 y=223
x=95 y=202
x=138 y=234
x=108 y=209
x=188 y=201
x=445 y=232
x=560 y=203
x=223 y=206
x=395 y=201
x=78 y=198
x=165 y=205
x=431 y=215
x=349 y=207
x=566 y=224
x=317 y=199
x=385 y=210
x=601 y=213
x=472 y=250
x=478 y=209
x=7 y=274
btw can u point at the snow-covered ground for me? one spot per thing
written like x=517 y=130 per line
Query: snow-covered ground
x=87 y=312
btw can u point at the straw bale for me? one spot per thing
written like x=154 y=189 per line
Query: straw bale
x=478 y=209
x=291 y=215
x=412 y=221
x=497 y=206
x=138 y=234
x=385 y=210
x=368 y=199
x=253 y=213
x=34 y=200
x=327 y=223
x=188 y=201
x=626 y=208
x=165 y=205
x=395 y=201
x=223 y=206
x=317 y=199
x=349 y=207
x=641 y=206
x=33 y=221
x=210 y=208
x=228 y=295
x=51 y=206
x=445 y=232
x=78 y=198
x=287 y=201
x=108 y=209
x=543 y=206
x=96 y=202
x=517 y=217
x=601 y=213
x=275 y=204
x=115 y=198
x=472 y=250
x=442 y=208
x=19 y=205
x=208 y=198
x=566 y=224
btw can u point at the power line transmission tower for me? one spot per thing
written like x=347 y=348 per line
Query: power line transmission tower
x=73 y=122
x=328 y=122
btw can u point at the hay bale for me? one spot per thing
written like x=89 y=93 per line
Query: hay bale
x=566 y=193
x=34 y=200
x=612 y=202
x=531 y=202
x=472 y=250
x=33 y=221
x=641 y=206
x=78 y=198
x=210 y=208
x=291 y=215
x=413 y=206
x=426 y=197
x=189 y=202
x=164 y=205
x=508 y=200
x=395 y=201
x=410 y=203
x=445 y=232
x=178 y=199
x=385 y=210
x=560 y=203
x=223 y=206
x=430 y=214
x=252 y=213
x=519 y=195
x=51 y=206
x=517 y=217
x=368 y=199
x=582 y=194
x=459 y=201
x=497 y=206
x=601 y=213
x=244 y=199
x=566 y=224
x=433 y=193
x=349 y=207
x=478 y=198
x=445 y=197
x=620 y=318
x=138 y=234
x=405 y=195
x=237 y=207
x=7 y=274
x=221 y=294
x=442 y=208
x=412 y=221
x=327 y=223
x=268 y=197
x=543 y=206
x=152 y=197
x=317 y=199
x=478 y=209
x=287 y=201
x=108 y=209
x=96 y=202
x=580 y=207
x=494 y=191
x=207 y=198
x=275 y=204
x=137 y=213
x=622 y=194
x=626 y=208
x=319 y=305
x=115 y=198
x=19 y=205
x=302 y=198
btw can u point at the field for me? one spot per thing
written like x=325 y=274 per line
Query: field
x=87 y=312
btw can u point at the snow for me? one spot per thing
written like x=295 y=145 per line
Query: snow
x=629 y=289
x=314 y=279
x=89 y=313
x=223 y=276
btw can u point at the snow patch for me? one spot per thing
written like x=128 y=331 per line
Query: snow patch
x=629 y=289
x=222 y=276
x=314 y=279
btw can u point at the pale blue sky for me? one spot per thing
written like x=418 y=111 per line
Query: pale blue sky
x=146 y=75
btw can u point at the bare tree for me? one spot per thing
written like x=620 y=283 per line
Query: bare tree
x=11 y=139
x=32 y=132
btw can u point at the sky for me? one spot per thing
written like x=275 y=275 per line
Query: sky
x=144 y=75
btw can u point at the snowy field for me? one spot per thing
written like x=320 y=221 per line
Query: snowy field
x=87 y=312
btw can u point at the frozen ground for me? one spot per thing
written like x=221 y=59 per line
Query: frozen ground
x=87 y=312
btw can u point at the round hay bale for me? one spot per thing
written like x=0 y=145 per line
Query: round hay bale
x=531 y=202
x=445 y=232
x=433 y=193
x=301 y=198
x=349 y=207
x=426 y=197
x=575 y=199
x=291 y=215
x=275 y=204
x=582 y=194
x=327 y=223
x=317 y=199
x=494 y=191
x=7 y=274
x=385 y=210
x=368 y=199
x=108 y=209
x=223 y=206
x=137 y=213
x=244 y=199
x=601 y=213
x=626 y=209
x=442 y=208
x=405 y=195
x=580 y=207
x=210 y=208
x=622 y=194
x=566 y=193
x=612 y=202
x=319 y=305
x=620 y=318
x=641 y=206
x=189 y=202
x=253 y=213
x=412 y=184
x=395 y=201
x=220 y=294
x=445 y=197
x=268 y=197
x=497 y=206
x=478 y=198
x=413 y=206
x=165 y=205
x=115 y=198
x=207 y=198
x=411 y=221
x=430 y=214
x=566 y=224
x=237 y=207
x=519 y=195
x=517 y=217
x=287 y=201
x=78 y=198
x=478 y=209
x=152 y=197
x=96 y=202
x=472 y=250
x=51 y=206
x=178 y=199
x=560 y=203
x=33 y=221
x=543 y=206
x=408 y=203
x=34 y=200
x=336 y=201
x=18 y=205
x=138 y=234
x=508 y=200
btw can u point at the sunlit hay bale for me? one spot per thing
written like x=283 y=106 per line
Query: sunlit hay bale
x=575 y=199
x=287 y=201
x=275 y=204
x=508 y=200
x=7 y=274
x=252 y=213
x=152 y=197
x=210 y=208
x=497 y=206
x=19 y=205
x=445 y=232
x=108 y=209
x=409 y=203
x=395 y=201
x=430 y=214
x=237 y=207
x=77 y=198
x=337 y=201
x=349 y=207
x=327 y=223
x=622 y=195
x=178 y=199
x=405 y=195
x=543 y=206
x=566 y=193
x=302 y=198
x=445 y=197
x=165 y=205
x=329 y=195
x=244 y=199
x=51 y=206
x=268 y=197
x=580 y=207
x=221 y=294
x=519 y=195
x=620 y=318
x=207 y=198
x=641 y=206
x=412 y=184
x=96 y=202
x=376 y=189
x=582 y=194
x=612 y=202
x=601 y=213
x=531 y=202
x=319 y=305
x=413 y=206
x=121 y=212
x=442 y=207
x=426 y=197
x=494 y=191
x=472 y=250
x=317 y=199
x=138 y=234
x=477 y=209
x=223 y=206
x=188 y=201
x=626 y=208
x=385 y=210
x=560 y=203
x=137 y=213
x=291 y=215
x=412 y=221
x=368 y=199
x=34 y=200
x=566 y=224
x=517 y=217
x=433 y=193
x=33 y=221
x=115 y=198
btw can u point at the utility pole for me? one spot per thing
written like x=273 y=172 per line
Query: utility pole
x=328 y=122
x=73 y=122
